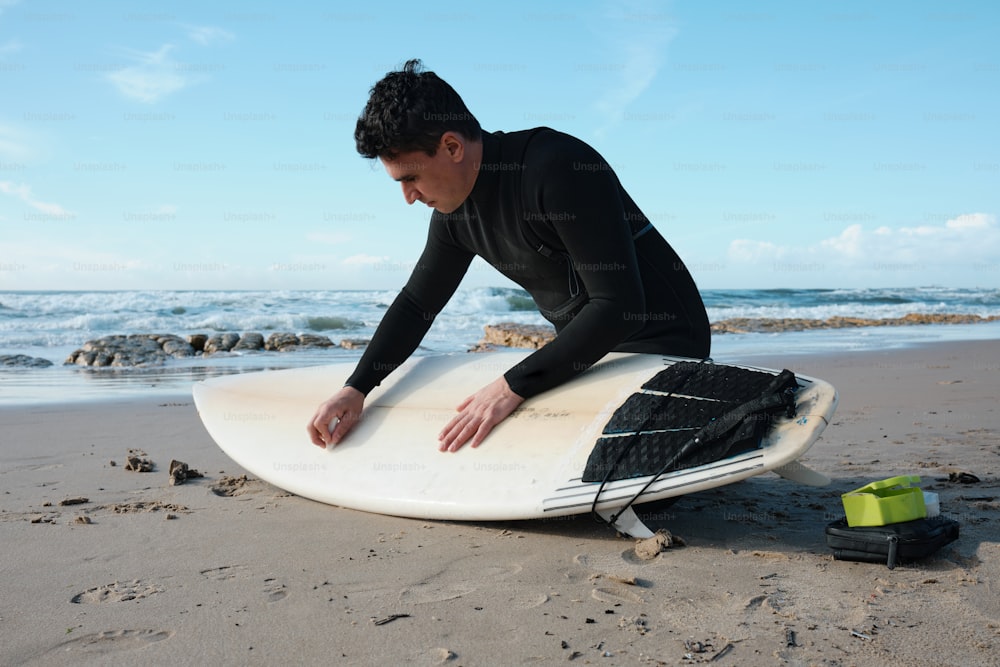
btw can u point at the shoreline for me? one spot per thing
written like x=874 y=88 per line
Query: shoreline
x=57 y=384
x=243 y=571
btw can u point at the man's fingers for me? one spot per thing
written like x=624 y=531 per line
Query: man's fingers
x=481 y=433
x=329 y=429
x=336 y=417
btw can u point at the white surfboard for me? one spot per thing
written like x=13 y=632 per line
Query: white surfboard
x=529 y=467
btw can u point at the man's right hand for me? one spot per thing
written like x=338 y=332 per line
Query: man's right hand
x=344 y=409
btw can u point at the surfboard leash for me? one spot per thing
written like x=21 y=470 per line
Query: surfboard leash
x=632 y=439
x=779 y=394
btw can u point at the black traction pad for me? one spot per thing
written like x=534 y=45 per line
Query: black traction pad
x=689 y=400
x=708 y=380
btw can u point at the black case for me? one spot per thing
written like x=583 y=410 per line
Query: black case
x=892 y=543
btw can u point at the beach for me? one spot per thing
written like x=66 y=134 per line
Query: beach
x=107 y=566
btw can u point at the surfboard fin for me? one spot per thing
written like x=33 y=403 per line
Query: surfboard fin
x=801 y=473
x=626 y=522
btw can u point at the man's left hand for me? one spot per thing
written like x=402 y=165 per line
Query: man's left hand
x=478 y=414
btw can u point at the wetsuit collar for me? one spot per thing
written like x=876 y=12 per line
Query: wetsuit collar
x=486 y=179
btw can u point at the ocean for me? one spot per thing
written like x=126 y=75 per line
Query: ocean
x=52 y=324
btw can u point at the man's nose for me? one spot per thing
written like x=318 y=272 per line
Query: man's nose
x=410 y=193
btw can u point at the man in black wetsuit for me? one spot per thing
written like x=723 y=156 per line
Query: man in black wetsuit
x=549 y=213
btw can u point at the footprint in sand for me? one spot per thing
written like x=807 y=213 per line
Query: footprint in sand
x=105 y=642
x=224 y=572
x=119 y=591
x=236 y=486
x=427 y=593
x=616 y=572
x=616 y=593
x=275 y=590
x=530 y=600
x=430 y=591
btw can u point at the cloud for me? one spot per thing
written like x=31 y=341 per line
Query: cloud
x=959 y=244
x=10 y=46
x=638 y=34
x=972 y=221
x=23 y=192
x=208 y=35
x=154 y=76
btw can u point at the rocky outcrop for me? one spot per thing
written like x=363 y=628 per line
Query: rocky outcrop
x=221 y=343
x=132 y=350
x=198 y=342
x=279 y=342
x=249 y=342
x=774 y=325
x=23 y=361
x=511 y=334
x=140 y=350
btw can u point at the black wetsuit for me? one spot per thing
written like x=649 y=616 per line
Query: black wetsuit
x=548 y=212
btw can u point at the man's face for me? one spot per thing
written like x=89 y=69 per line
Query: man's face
x=439 y=181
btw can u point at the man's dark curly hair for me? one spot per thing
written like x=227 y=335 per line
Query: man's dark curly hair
x=408 y=111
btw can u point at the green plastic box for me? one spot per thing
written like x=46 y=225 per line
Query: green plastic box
x=892 y=500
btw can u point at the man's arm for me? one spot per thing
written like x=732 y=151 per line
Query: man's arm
x=432 y=282
x=573 y=188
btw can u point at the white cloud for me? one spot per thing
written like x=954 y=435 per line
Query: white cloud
x=207 y=35
x=851 y=241
x=972 y=221
x=154 y=76
x=10 y=46
x=23 y=192
x=638 y=34
x=934 y=251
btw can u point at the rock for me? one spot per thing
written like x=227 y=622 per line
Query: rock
x=252 y=341
x=768 y=325
x=137 y=461
x=314 y=340
x=197 y=342
x=221 y=343
x=23 y=361
x=80 y=358
x=649 y=548
x=354 y=343
x=155 y=349
x=281 y=342
x=180 y=472
x=175 y=346
x=511 y=334
x=133 y=350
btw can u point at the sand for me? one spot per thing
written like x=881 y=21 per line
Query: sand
x=228 y=570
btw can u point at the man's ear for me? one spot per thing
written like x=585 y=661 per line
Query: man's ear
x=454 y=145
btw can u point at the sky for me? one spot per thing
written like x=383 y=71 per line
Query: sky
x=194 y=145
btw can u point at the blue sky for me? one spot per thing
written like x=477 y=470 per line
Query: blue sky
x=190 y=145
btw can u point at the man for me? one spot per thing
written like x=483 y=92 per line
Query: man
x=548 y=212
